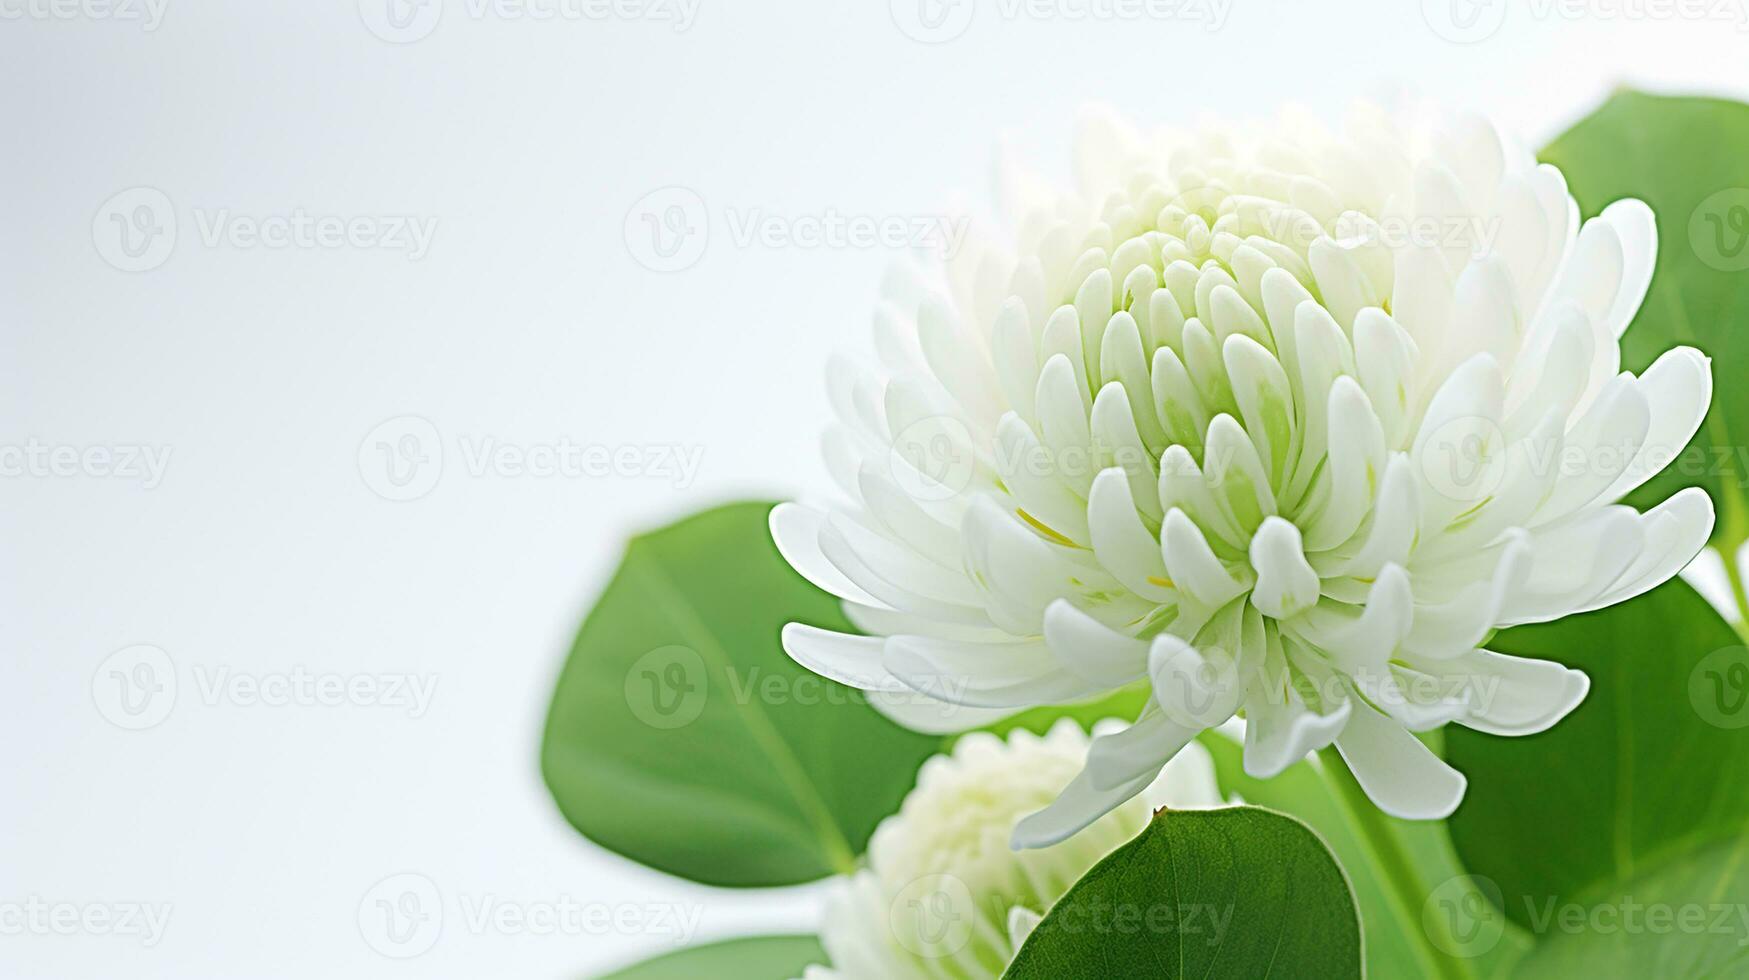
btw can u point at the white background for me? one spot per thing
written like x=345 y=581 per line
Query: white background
x=530 y=320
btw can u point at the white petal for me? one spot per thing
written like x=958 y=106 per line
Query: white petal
x=1195 y=688
x=1191 y=563
x=1518 y=696
x=1402 y=776
x=1286 y=584
x=1073 y=810
x=796 y=530
x=854 y=661
x=1675 y=532
x=1678 y=388
x=1355 y=465
x=1120 y=758
x=1091 y=649
x=982 y=675
x=1120 y=541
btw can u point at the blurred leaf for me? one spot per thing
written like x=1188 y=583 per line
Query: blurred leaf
x=681 y=736
x=1645 y=772
x=1233 y=893
x=1395 y=939
x=1684 y=921
x=1684 y=157
x=758 y=958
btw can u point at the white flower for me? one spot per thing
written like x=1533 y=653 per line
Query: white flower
x=943 y=894
x=1283 y=424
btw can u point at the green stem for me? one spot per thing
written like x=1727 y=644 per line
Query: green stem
x=1732 y=532
x=1403 y=887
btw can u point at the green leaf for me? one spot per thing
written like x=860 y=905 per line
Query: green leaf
x=1684 y=157
x=1647 y=771
x=1235 y=893
x=1396 y=939
x=1685 y=920
x=759 y=958
x=681 y=736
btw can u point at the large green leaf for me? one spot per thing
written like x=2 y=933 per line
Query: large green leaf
x=1686 y=158
x=1239 y=893
x=1397 y=940
x=682 y=737
x=1648 y=770
x=759 y=958
x=1688 y=919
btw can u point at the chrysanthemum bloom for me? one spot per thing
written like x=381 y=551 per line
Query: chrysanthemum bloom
x=943 y=894
x=1280 y=423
